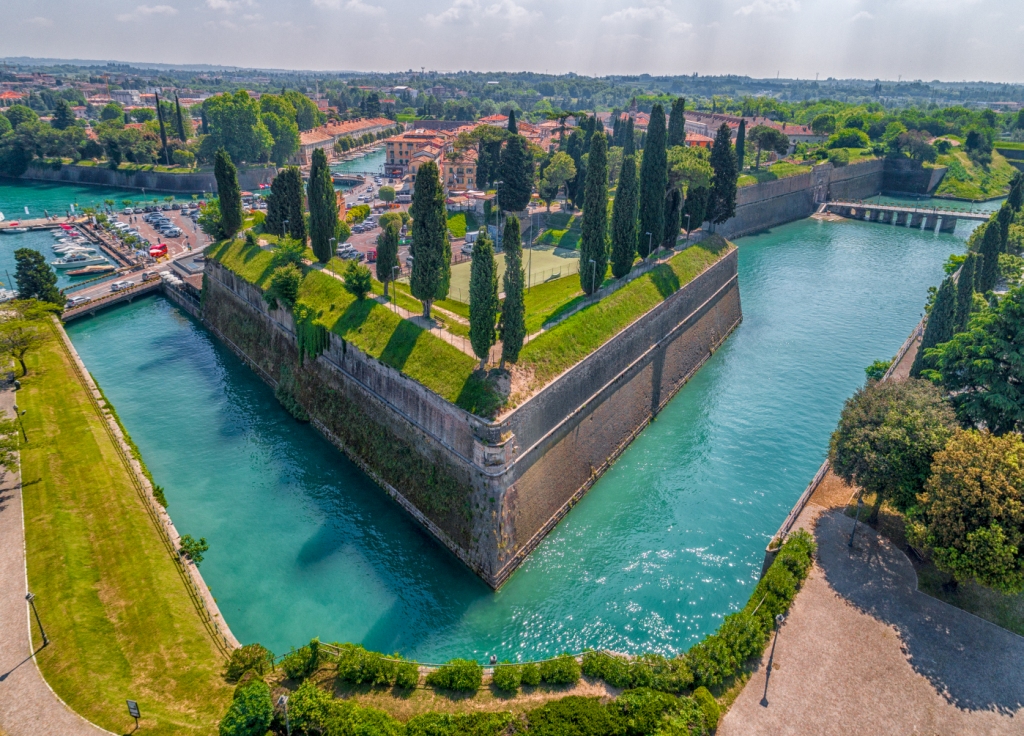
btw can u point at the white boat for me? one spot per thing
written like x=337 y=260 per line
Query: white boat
x=74 y=249
x=1 y=216
x=13 y=230
x=77 y=260
x=7 y=294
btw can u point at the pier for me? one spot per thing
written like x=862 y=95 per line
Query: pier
x=904 y=216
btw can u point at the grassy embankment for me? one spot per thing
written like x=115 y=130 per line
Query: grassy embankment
x=562 y=230
x=110 y=593
x=781 y=170
x=460 y=223
x=967 y=180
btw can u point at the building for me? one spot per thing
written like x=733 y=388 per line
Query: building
x=459 y=170
x=9 y=97
x=126 y=96
x=698 y=140
x=713 y=121
x=327 y=135
x=401 y=150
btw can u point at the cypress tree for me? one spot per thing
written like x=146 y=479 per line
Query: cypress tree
x=673 y=214
x=181 y=120
x=387 y=253
x=722 y=202
x=991 y=247
x=163 y=131
x=616 y=128
x=696 y=207
x=939 y=327
x=624 y=218
x=228 y=193
x=431 y=251
x=513 y=311
x=629 y=139
x=323 y=207
x=516 y=168
x=295 y=208
x=1016 y=196
x=513 y=129
x=483 y=298
x=277 y=203
x=677 y=123
x=965 y=293
x=1004 y=218
x=594 y=225
x=202 y=119
x=741 y=144
x=653 y=180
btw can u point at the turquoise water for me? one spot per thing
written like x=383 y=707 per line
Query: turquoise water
x=56 y=199
x=372 y=163
x=39 y=240
x=669 y=541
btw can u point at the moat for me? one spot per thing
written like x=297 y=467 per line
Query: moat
x=670 y=540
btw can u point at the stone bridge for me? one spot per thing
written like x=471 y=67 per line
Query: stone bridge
x=905 y=216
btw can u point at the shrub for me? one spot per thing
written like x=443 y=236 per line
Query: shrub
x=604 y=666
x=574 y=716
x=309 y=707
x=358 y=280
x=284 y=286
x=848 y=138
x=348 y=718
x=407 y=675
x=287 y=251
x=457 y=674
x=647 y=670
x=531 y=674
x=712 y=661
x=744 y=635
x=708 y=706
x=643 y=709
x=839 y=157
x=303 y=662
x=357 y=665
x=688 y=720
x=564 y=670
x=457 y=724
x=250 y=712
x=254 y=657
x=507 y=677
x=358 y=213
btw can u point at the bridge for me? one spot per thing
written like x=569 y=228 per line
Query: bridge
x=905 y=216
x=115 y=297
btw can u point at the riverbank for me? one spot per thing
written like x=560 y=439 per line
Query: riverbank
x=111 y=594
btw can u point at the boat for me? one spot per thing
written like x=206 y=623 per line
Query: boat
x=92 y=270
x=7 y=295
x=64 y=252
x=13 y=228
x=76 y=260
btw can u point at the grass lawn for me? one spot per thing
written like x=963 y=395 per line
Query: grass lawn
x=562 y=230
x=542 y=264
x=119 y=616
x=252 y=264
x=573 y=339
x=546 y=301
x=460 y=223
x=967 y=180
x=1012 y=145
x=781 y=170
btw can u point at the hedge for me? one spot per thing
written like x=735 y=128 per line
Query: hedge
x=507 y=677
x=250 y=712
x=357 y=665
x=457 y=674
x=563 y=670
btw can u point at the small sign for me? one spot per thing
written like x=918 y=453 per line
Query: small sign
x=133 y=709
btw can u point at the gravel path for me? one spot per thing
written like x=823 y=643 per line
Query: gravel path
x=28 y=707
x=863 y=651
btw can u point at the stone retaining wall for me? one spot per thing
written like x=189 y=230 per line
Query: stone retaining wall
x=154 y=181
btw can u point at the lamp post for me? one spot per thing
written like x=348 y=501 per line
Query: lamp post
x=687 y=227
x=394 y=287
x=283 y=701
x=860 y=505
x=285 y=222
x=593 y=277
x=332 y=241
x=32 y=602
x=649 y=237
x=779 y=618
x=18 y=415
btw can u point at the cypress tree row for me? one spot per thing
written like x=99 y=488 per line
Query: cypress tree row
x=741 y=144
x=965 y=292
x=677 y=123
x=722 y=202
x=387 y=253
x=516 y=167
x=483 y=297
x=991 y=247
x=940 y=325
x=513 y=129
x=323 y=207
x=513 y=312
x=163 y=131
x=285 y=204
x=624 y=217
x=431 y=251
x=629 y=139
x=228 y=193
x=1004 y=218
x=653 y=180
x=673 y=214
x=594 y=224
x=1016 y=196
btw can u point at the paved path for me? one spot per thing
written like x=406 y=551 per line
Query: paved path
x=28 y=707
x=864 y=652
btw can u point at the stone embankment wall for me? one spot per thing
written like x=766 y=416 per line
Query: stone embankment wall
x=155 y=181
x=489 y=490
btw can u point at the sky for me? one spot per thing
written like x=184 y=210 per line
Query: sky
x=950 y=40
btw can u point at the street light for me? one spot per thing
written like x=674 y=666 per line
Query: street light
x=649 y=243
x=394 y=287
x=860 y=505
x=771 y=658
x=687 y=227
x=283 y=701
x=18 y=415
x=332 y=241
x=32 y=602
x=593 y=277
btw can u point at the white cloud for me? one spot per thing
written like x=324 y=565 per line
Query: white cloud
x=355 y=6
x=38 y=21
x=145 y=11
x=862 y=15
x=769 y=7
x=228 y=6
x=651 y=11
x=474 y=11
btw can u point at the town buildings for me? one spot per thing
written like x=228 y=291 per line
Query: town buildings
x=327 y=135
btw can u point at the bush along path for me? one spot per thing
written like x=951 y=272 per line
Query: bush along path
x=655 y=695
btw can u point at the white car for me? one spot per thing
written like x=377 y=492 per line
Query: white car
x=121 y=285
x=76 y=301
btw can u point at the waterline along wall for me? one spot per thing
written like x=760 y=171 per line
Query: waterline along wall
x=249 y=178
x=489 y=490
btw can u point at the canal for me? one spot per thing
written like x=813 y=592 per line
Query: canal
x=669 y=541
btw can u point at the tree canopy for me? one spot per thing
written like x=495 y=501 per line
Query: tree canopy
x=229 y=194
x=722 y=199
x=323 y=207
x=516 y=171
x=431 y=250
x=235 y=125
x=653 y=180
x=513 y=310
x=483 y=297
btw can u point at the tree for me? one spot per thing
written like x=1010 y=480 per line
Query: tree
x=358 y=279
x=594 y=224
x=18 y=337
x=163 y=131
x=741 y=144
x=516 y=171
x=307 y=114
x=285 y=134
x=624 y=211
x=386 y=194
x=513 y=311
x=228 y=193
x=673 y=215
x=251 y=711
x=283 y=288
x=1016 y=197
x=63 y=116
x=483 y=297
x=972 y=510
x=286 y=204
x=983 y=368
x=180 y=120
x=387 y=252
x=887 y=434
x=557 y=173
x=696 y=207
x=824 y=124
x=431 y=250
x=653 y=180
x=940 y=326
x=991 y=247
x=323 y=207
x=234 y=123
x=35 y=278
x=677 y=124
x=722 y=199
x=513 y=129
x=965 y=293
x=110 y=111
x=767 y=138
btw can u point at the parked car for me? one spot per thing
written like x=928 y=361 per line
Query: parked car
x=129 y=211
x=371 y=255
x=467 y=249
